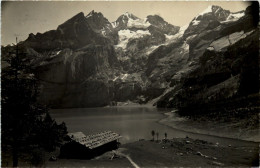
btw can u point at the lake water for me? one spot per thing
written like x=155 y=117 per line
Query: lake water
x=133 y=123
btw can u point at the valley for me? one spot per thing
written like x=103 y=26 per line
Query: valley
x=206 y=68
x=198 y=84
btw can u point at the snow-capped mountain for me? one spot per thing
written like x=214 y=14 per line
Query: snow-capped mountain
x=128 y=20
x=130 y=28
x=212 y=17
x=88 y=61
x=221 y=52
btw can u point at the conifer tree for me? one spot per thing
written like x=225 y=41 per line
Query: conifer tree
x=26 y=125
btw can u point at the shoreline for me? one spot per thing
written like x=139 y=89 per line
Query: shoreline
x=203 y=150
x=173 y=121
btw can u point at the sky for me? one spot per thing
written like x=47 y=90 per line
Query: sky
x=20 y=18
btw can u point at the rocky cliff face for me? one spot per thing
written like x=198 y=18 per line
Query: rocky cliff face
x=88 y=61
x=78 y=78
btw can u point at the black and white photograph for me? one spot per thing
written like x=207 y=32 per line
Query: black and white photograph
x=130 y=84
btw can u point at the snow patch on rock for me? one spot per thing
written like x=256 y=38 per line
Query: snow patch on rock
x=151 y=49
x=89 y=15
x=179 y=34
x=54 y=54
x=207 y=10
x=127 y=14
x=138 y=23
x=185 y=46
x=123 y=77
x=234 y=17
x=115 y=78
x=114 y=24
x=170 y=39
x=103 y=32
x=183 y=28
x=126 y=35
x=228 y=40
x=195 y=22
x=210 y=48
x=191 y=37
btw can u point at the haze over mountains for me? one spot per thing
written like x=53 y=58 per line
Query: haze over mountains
x=88 y=61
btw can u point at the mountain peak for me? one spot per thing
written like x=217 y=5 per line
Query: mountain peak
x=211 y=17
x=124 y=20
x=129 y=15
x=93 y=13
x=212 y=9
x=154 y=18
x=207 y=10
x=212 y=12
x=98 y=22
x=79 y=16
x=216 y=7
